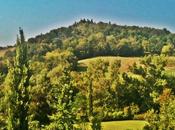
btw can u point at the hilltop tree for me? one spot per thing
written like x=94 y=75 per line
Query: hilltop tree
x=17 y=83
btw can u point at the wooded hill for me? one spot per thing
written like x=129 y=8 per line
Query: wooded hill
x=43 y=84
x=88 y=39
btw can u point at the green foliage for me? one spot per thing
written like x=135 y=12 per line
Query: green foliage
x=40 y=84
x=95 y=123
x=61 y=57
x=165 y=118
x=91 y=78
x=146 y=81
x=167 y=50
x=89 y=39
x=56 y=95
x=64 y=118
x=17 y=83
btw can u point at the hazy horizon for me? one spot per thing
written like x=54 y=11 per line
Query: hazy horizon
x=40 y=16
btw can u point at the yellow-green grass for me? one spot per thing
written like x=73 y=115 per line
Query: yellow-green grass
x=170 y=68
x=121 y=125
x=126 y=62
x=3 y=51
x=124 y=125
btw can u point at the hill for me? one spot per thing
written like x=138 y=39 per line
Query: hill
x=90 y=39
x=87 y=39
x=102 y=93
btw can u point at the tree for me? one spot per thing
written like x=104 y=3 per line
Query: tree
x=39 y=108
x=114 y=81
x=63 y=118
x=165 y=118
x=145 y=82
x=95 y=81
x=17 y=81
x=167 y=50
x=167 y=113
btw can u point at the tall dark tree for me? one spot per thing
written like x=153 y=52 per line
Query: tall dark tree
x=95 y=76
x=17 y=83
x=89 y=97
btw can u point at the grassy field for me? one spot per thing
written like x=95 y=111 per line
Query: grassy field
x=2 y=52
x=122 y=125
x=126 y=62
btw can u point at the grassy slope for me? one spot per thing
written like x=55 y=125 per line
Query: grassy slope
x=121 y=125
x=126 y=62
x=3 y=51
x=124 y=125
x=171 y=66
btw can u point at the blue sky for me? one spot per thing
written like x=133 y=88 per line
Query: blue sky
x=36 y=16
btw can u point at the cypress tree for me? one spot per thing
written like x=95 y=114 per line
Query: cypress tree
x=17 y=81
x=90 y=98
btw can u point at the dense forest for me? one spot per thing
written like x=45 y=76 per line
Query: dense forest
x=43 y=87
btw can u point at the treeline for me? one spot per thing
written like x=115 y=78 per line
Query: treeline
x=47 y=90
x=88 y=39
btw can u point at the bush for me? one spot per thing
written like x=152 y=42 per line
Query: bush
x=139 y=117
x=118 y=115
x=147 y=127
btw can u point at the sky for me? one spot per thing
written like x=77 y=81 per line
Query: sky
x=40 y=16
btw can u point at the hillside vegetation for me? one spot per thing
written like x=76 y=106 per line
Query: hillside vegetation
x=89 y=39
x=97 y=73
x=126 y=62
